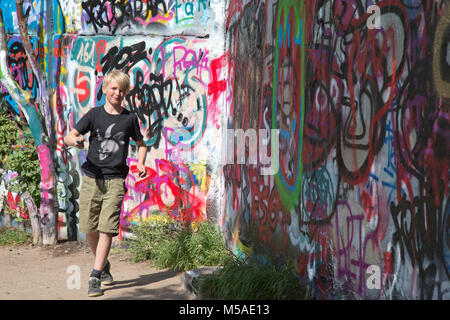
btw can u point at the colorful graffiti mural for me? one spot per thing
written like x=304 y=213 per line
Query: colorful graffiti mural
x=170 y=78
x=169 y=94
x=363 y=150
x=11 y=202
x=117 y=17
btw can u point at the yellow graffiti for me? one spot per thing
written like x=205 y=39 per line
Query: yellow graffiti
x=199 y=170
x=440 y=55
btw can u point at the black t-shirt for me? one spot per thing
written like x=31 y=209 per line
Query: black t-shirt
x=108 y=142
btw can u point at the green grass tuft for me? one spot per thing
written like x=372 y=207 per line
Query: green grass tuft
x=252 y=280
x=12 y=236
x=179 y=248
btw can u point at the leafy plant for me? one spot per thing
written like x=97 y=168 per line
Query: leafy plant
x=148 y=235
x=11 y=236
x=189 y=249
x=19 y=154
x=180 y=248
x=8 y=131
x=13 y=213
x=253 y=279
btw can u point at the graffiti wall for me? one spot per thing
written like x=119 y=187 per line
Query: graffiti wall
x=359 y=93
x=170 y=96
x=168 y=48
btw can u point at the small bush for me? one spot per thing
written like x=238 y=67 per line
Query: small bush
x=252 y=280
x=18 y=153
x=11 y=236
x=149 y=235
x=170 y=245
x=189 y=249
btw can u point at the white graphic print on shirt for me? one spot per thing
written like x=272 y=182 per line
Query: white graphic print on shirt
x=109 y=144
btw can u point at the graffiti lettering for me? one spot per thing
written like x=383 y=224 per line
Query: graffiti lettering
x=149 y=103
x=186 y=9
x=113 y=14
x=124 y=59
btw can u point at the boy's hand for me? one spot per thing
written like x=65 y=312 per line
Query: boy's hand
x=142 y=170
x=139 y=170
x=74 y=139
x=79 y=142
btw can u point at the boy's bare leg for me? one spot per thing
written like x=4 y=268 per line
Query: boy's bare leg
x=102 y=252
x=92 y=239
x=100 y=244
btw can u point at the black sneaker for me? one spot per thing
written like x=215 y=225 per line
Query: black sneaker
x=95 y=289
x=106 y=277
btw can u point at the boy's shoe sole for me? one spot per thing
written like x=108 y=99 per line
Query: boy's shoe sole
x=106 y=279
x=96 y=294
x=107 y=283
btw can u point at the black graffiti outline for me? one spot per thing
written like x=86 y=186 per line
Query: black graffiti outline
x=122 y=12
x=145 y=95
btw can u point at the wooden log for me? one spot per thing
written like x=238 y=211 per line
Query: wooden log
x=34 y=217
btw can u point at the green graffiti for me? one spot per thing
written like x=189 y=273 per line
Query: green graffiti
x=290 y=54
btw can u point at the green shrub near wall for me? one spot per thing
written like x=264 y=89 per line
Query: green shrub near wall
x=12 y=236
x=171 y=245
x=253 y=279
x=18 y=154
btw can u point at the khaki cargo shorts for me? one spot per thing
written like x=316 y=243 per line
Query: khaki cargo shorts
x=100 y=205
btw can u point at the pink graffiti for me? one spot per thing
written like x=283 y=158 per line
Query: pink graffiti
x=47 y=182
x=352 y=244
x=159 y=18
x=166 y=188
x=61 y=126
x=186 y=59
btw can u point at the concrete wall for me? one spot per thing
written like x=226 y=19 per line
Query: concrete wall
x=360 y=96
x=345 y=102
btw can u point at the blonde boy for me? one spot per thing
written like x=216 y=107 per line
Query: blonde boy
x=111 y=127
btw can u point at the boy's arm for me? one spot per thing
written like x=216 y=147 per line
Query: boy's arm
x=74 y=139
x=142 y=155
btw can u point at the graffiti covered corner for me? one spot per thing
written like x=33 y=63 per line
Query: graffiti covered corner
x=359 y=92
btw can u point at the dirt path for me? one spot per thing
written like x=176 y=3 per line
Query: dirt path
x=52 y=273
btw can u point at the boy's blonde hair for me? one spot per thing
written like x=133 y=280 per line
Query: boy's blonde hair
x=122 y=79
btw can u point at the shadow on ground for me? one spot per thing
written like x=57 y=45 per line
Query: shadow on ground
x=146 y=287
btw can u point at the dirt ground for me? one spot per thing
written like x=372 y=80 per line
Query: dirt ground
x=61 y=272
